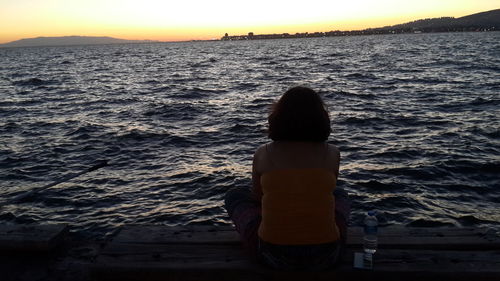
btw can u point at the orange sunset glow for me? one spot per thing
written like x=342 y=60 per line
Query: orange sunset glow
x=196 y=19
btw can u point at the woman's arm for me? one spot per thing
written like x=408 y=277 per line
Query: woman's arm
x=256 y=187
x=335 y=154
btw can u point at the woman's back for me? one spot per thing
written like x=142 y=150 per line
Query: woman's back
x=297 y=180
x=298 y=207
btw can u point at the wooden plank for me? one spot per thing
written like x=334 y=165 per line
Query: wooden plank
x=172 y=262
x=223 y=262
x=392 y=260
x=178 y=255
x=225 y=254
x=389 y=237
x=220 y=256
x=31 y=238
x=181 y=234
x=214 y=253
x=430 y=238
x=396 y=230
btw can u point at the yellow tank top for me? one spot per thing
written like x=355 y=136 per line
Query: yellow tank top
x=298 y=207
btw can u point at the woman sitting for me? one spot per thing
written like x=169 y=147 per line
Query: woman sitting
x=294 y=217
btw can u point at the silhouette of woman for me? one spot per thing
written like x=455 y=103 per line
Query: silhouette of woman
x=294 y=217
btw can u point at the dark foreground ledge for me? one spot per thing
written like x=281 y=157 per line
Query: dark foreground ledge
x=144 y=252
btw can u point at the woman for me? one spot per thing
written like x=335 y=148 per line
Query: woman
x=294 y=217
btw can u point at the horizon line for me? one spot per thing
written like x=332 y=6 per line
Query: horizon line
x=211 y=37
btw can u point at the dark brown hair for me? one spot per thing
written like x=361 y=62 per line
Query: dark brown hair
x=299 y=115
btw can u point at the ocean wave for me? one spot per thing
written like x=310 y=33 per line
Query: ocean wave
x=361 y=76
x=367 y=121
x=362 y=95
x=175 y=111
x=471 y=166
x=477 y=102
x=140 y=135
x=429 y=223
x=470 y=220
x=194 y=93
x=32 y=82
x=86 y=130
x=378 y=185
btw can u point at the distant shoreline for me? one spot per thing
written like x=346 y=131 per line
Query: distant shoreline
x=256 y=37
x=484 y=21
x=480 y=22
x=331 y=34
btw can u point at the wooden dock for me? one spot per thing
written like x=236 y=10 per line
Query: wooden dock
x=146 y=252
x=208 y=253
x=31 y=238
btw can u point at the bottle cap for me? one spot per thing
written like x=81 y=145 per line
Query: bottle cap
x=372 y=213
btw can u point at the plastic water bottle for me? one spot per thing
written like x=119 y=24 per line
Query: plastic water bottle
x=370 y=233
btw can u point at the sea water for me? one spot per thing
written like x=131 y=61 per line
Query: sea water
x=416 y=117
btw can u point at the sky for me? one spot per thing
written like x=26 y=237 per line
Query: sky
x=171 y=20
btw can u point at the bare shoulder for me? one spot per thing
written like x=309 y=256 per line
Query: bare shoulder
x=334 y=150
x=259 y=158
x=260 y=151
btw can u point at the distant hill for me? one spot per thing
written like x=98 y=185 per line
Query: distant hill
x=489 y=20
x=68 y=40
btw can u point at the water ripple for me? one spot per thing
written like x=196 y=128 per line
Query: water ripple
x=415 y=116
